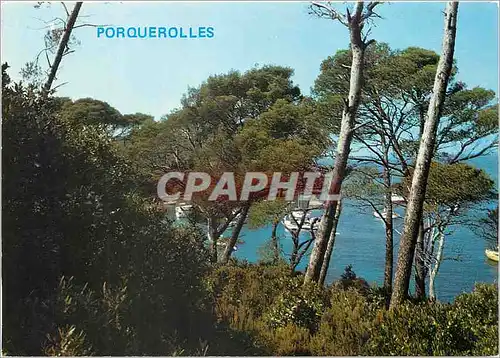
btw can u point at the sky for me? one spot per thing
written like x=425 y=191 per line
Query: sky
x=150 y=75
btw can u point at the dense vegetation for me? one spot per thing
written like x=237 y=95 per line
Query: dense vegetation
x=92 y=265
x=349 y=317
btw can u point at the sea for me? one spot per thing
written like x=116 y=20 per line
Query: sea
x=360 y=242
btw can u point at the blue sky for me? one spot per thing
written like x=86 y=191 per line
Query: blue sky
x=150 y=75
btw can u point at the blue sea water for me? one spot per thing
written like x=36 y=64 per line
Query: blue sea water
x=361 y=243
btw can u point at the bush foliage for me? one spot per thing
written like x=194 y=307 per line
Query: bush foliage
x=90 y=267
x=349 y=318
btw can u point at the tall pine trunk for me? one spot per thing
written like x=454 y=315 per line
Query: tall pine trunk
x=235 y=234
x=420 y=273
x=435 y=268
x=416 y=199
x=213 y=239
x=389 y=235
x=274 y=242
x=329 y=247
x=343 y=146
x=63 y=44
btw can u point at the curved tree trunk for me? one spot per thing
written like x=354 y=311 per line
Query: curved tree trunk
x=62 y=46
x=295 y=257
x=343 y=146
x=329 y=247
x=413 y=215
x=389 y=235
x=235 y=234
x=213 y=239
x=435 y=268
x=274 y=242
x=420 y=273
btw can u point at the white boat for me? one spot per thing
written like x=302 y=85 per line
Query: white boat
x=292 y=221
x=298 y=214
x=492 y=255
x=377 y=215
x=397 y=199
x=183 y=211
x=309 y=202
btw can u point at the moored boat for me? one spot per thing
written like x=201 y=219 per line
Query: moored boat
x=292 y=221
x=492 y=254
x=397 y=199
x=377 y=215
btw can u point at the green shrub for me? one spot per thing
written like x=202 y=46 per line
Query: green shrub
x=289 y=340
x=378 y=297
x=406 y=330
x=344 y=325
x=473 y=320
x=469 y=326
x=297 y=305
x=67 y=342
x=349 y=280
x=241 y=292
